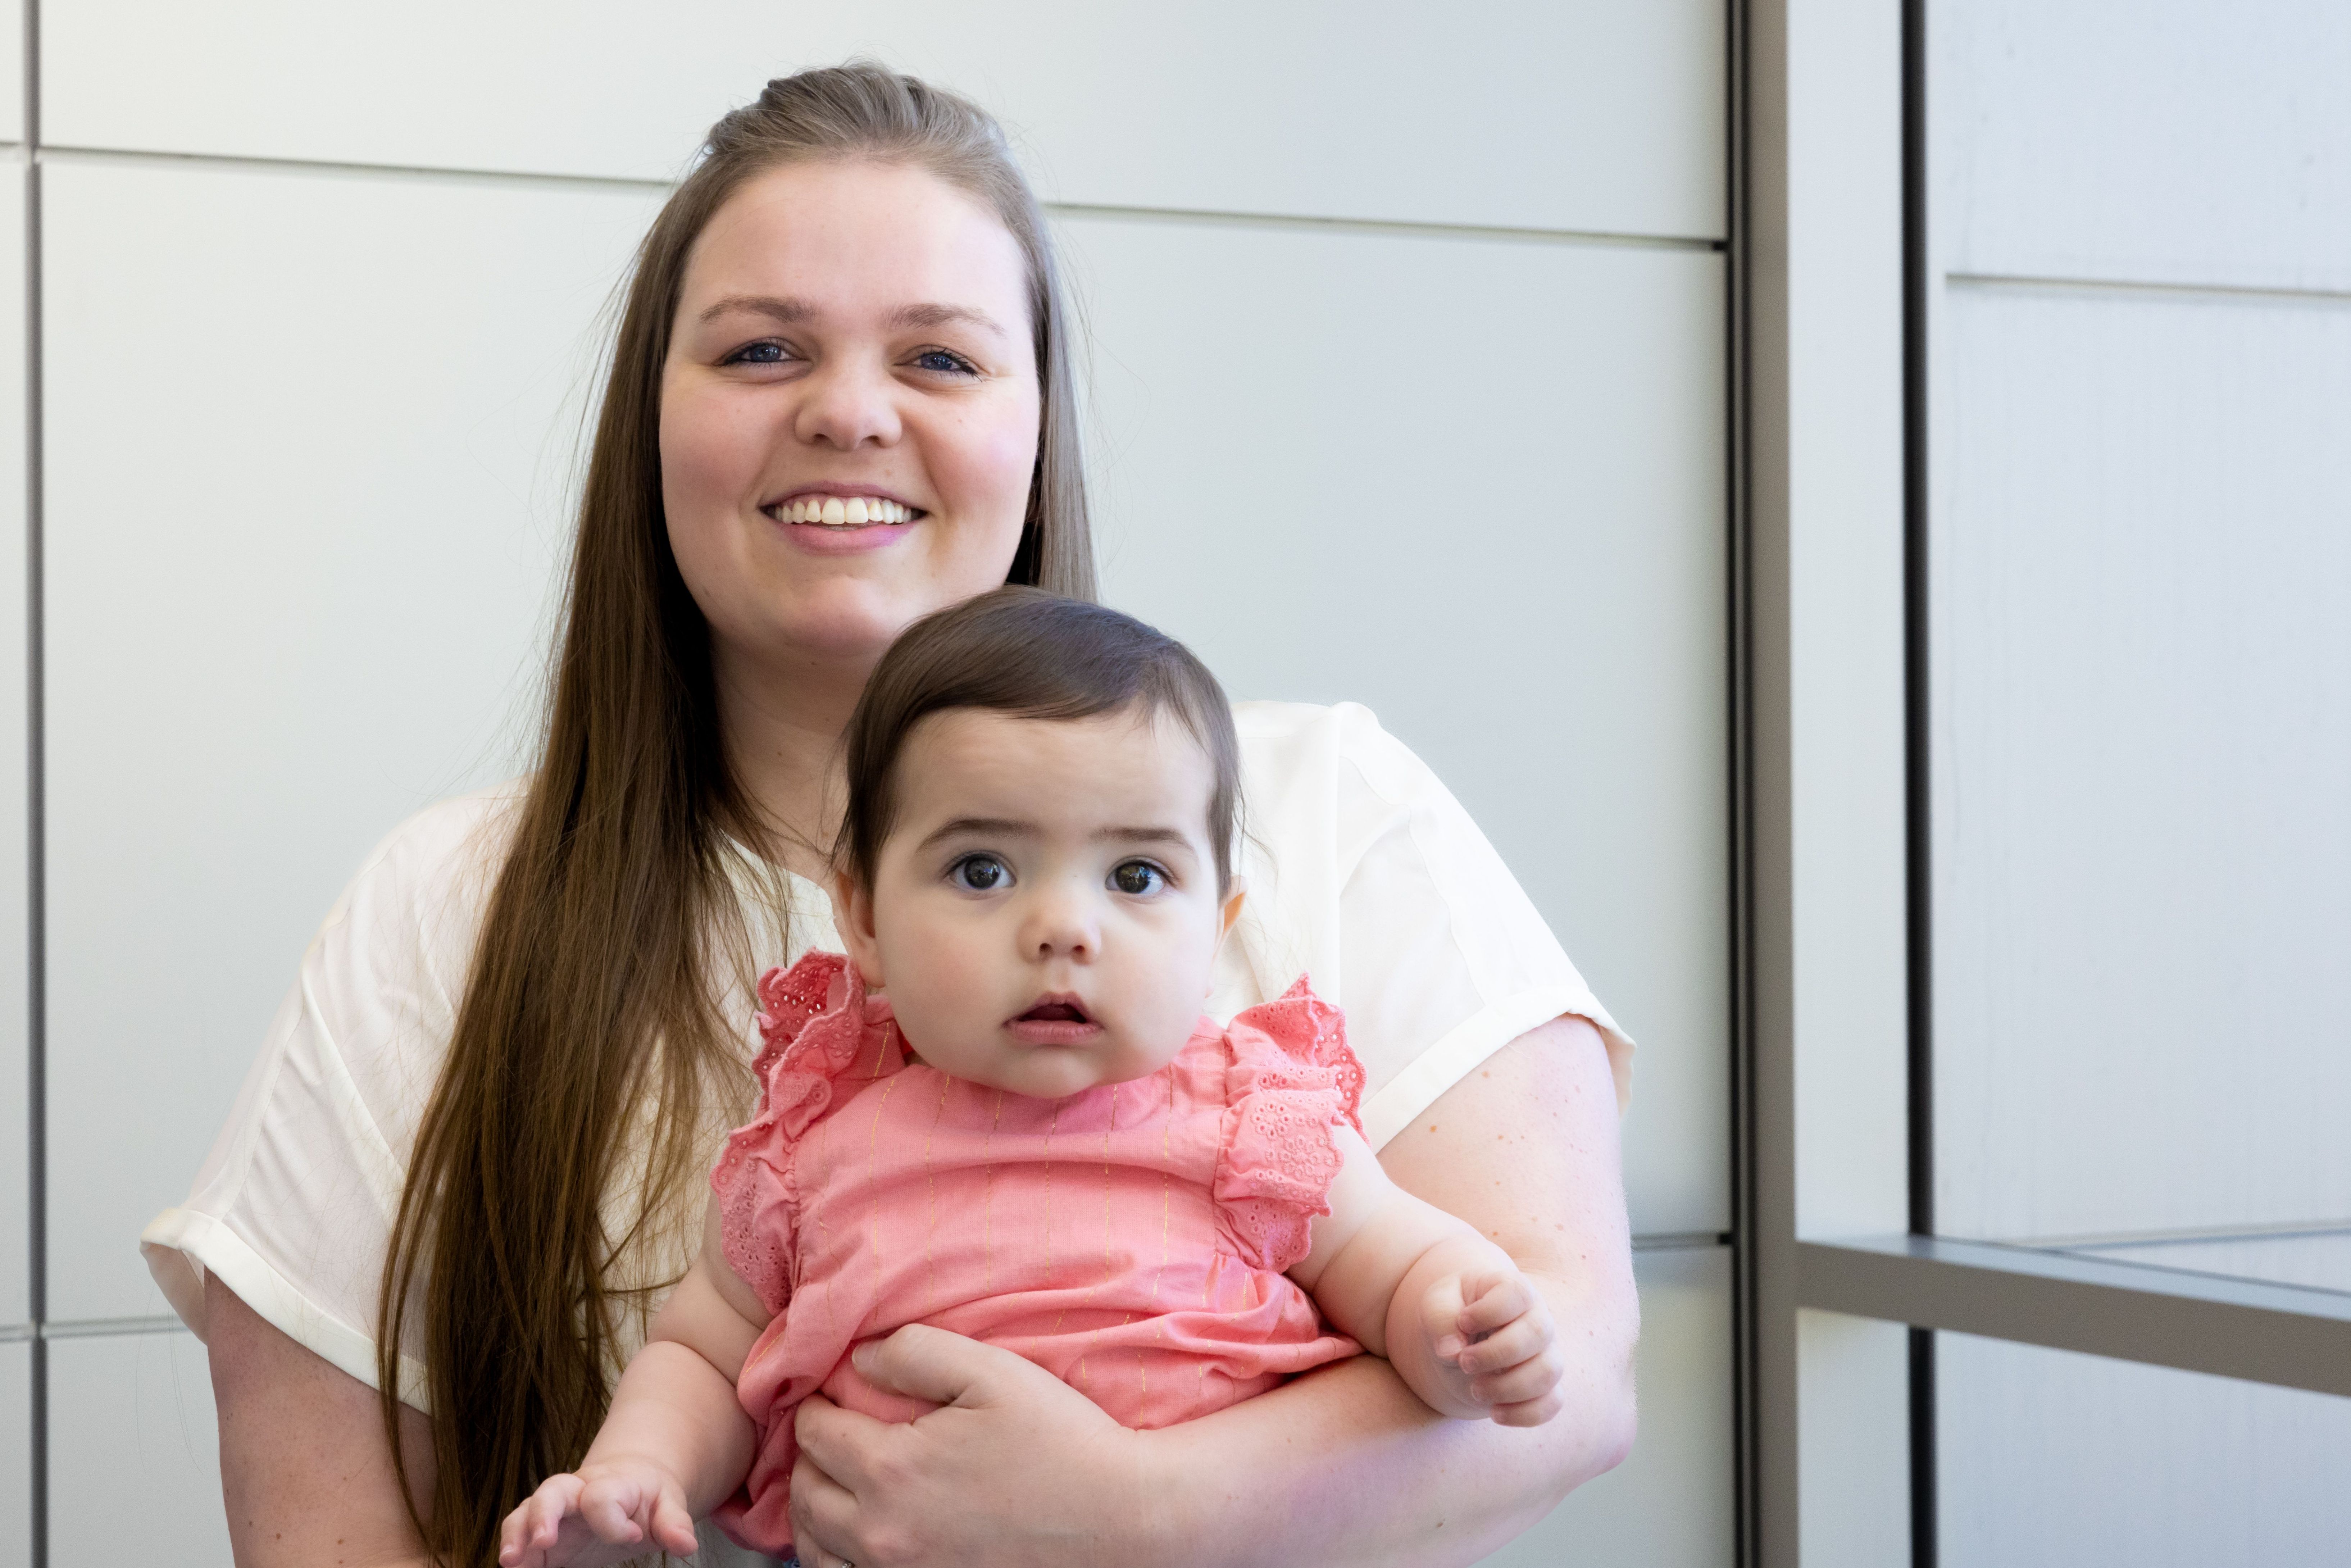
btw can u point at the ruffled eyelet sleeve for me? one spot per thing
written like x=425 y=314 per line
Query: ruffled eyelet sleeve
x=1291 y=1079
x=815 y=1024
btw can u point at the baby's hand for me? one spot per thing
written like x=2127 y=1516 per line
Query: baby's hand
x=604 y=1514
x=1492 y=1330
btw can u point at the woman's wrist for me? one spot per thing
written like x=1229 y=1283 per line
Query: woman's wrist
x=1173 y=1484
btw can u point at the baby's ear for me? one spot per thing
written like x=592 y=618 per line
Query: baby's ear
x=852 y=916
x=1235 y=892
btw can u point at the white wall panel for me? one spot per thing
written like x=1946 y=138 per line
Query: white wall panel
x=1670 y=1505
x=15 y=905
x=1476 y=484
x=134 y=1454
x=1584 y=114
x=2051 y=1460
x=16 y=1453
x=2142 y=756
x=12 y=70
x=2169 y=140
x=307 y=457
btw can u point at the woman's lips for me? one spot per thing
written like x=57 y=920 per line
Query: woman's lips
x=824 y=510
x=831 y=522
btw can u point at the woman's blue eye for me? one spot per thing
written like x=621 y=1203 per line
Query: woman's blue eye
x=939 y=359
x=979 y=873
x=757 y=354
x=1137 y=877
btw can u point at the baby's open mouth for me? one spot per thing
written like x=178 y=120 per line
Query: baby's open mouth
x=1060 y=1020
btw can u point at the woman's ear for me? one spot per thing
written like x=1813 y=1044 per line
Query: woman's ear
x=852 y=916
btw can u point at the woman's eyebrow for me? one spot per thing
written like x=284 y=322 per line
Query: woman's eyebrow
x=944 y=316
x=787 y=310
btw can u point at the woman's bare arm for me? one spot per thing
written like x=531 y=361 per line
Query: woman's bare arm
x=1344 y=1466
x=306 y=1472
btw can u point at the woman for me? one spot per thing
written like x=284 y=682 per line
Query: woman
x=839 y=398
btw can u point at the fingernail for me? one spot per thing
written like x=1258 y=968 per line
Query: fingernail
x=1449 y=1346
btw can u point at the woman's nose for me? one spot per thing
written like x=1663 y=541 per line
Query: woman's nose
x=847 y=405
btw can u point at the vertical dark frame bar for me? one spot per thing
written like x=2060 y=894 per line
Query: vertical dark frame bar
x=37 y=1228
x=1925 y=1535
x=1747 y=1481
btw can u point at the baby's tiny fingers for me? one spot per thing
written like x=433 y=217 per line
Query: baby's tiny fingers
x=673 y=1525
x=1519 y=1340
x=1440 y=1314
x=1515 y=1385
x=1492 y=1299
x=1531 y=1411
x=610 y=1509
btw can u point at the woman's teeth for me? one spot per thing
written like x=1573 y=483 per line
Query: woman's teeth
x=840 y=512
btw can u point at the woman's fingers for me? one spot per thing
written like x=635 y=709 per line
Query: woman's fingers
x=841 y=1444
x=925 y=1363
x=824 y=1516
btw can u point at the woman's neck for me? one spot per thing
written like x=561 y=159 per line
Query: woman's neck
x=783 y=730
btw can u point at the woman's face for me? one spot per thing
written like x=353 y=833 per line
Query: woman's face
x=852 y=339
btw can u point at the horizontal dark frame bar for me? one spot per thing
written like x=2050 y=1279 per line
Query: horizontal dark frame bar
x=2281 y=1334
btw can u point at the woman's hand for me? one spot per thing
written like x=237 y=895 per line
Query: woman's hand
x=1016 y=1467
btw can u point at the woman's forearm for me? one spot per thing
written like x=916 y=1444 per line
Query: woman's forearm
x=1347 y=1465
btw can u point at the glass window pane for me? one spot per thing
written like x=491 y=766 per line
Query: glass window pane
x=2140 y=731
x=2048 y=1459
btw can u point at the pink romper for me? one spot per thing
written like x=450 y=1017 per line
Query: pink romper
x=1131 y=1239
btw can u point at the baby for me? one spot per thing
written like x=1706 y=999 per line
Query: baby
x=1003 y=1115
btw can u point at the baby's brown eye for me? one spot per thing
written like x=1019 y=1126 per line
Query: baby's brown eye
x=1137 y=877
x=978 y=872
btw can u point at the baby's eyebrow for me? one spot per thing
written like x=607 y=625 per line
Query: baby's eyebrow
x=1143 y=836
x=1000 y=826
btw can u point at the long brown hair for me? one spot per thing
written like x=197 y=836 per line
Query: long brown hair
x=573 y=1112
x=1031 y=654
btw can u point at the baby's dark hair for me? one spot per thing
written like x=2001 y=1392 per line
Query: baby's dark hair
x=1031 y=654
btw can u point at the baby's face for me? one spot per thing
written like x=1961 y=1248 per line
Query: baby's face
x=1044 y=914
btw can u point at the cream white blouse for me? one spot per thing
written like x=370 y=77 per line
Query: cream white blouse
x=1362 y=873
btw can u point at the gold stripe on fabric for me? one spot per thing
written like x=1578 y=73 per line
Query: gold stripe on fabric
x=931 y=1187
x=873 y=1180
x=1051 y=1122
x=988 y=1200
x=1166 y=1237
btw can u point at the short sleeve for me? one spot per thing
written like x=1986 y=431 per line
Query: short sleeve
x=817 y=1025
x=293 y=1208
x=1366 y=875
x=1290 y=1083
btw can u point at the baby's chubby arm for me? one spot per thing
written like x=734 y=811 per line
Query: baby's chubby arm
x=1446 y=1307
x=674 y=1444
